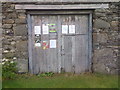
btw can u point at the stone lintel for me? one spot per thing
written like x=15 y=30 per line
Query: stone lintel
x=80 y=6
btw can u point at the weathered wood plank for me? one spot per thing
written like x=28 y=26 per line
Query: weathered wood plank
x=90 y=43
x=82 y=24
x=68 y=53
x=45 y=37
x=36 y=49
x=63 y=12
x=81 y=54
x=60 y=7
x=33 y=48
x=60 y=1
x=64 y=21
x=53 y=52
x=59 y=43
x=30 y=44
x=39 y=49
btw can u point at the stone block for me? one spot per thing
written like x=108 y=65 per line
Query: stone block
x=9 y=55
x=20 y=21
x=114 y=23
x=102 y=37
x=6 y=41
x=103 y=60
x=100 y=14
x=22 y=46
x=8 y=21
x=22 y=55
x=20 y=30
x=11 y=15
x=9 y=32
x=101 y=24
x=99 y=68
x=21 y=11
x=7 y=26
x=22 y=15
x=22 y=65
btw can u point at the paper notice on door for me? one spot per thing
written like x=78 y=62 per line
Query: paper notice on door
x=45 y=45
x=37 y=30
x=64 y=29
x=72 y=29
x=53 y=43
x=45 y=29
x=37 y=44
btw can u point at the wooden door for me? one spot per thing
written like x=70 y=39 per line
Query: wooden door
x=44 y=31
x=75 y=43
x=59 y=43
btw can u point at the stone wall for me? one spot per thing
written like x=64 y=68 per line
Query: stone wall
x=0 y=31
x=15 y=35
x=105 y=38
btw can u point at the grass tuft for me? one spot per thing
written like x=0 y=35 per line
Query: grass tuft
x=65 y=80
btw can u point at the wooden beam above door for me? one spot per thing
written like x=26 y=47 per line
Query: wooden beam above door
x=40 y=1
x=61 y=7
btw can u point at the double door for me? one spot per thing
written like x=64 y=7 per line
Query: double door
x=59 y=43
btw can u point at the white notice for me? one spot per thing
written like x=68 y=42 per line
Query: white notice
x=72 y=29
x=64 y=29
x=37 y=44
x=52 y=43
x=45 y=29
x=37 y=30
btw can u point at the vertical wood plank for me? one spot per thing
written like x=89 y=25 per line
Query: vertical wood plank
x=68 y=53
x=90 y=43
x=53 y=52
x=64 y=21
x=72 y=22
x=59 y=43
x=33 y=49
x=45 y=37
x=81 y=54
x=82 y=24
x=39 y=50
x=73 y=54
x=36 y=49
x=30 y=43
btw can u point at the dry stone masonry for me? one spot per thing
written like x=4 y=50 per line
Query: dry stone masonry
x=15 y=35
x=105 y=37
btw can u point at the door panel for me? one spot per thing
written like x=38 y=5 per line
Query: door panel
x=81 y=53
x=81 y=24
x=71 y=51
x=67 y=55
x=53 y=52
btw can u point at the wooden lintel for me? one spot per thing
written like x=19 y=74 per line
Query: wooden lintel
x=60 y=1
x=80 y=6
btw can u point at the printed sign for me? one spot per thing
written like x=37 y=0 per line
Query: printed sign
x=45 y=29
x=64 y=29
x=72 y=29
x=53 y=43
x=37 y=44
x=52 y=28
x=37 y=30
x=45 y=45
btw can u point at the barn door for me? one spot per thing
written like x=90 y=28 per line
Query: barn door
x=59 y=43
x=44 y=40
x=74 y=43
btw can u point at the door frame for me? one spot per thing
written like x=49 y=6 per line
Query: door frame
x=59 y=12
